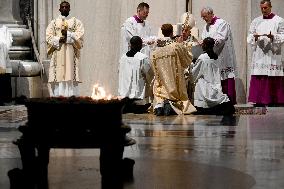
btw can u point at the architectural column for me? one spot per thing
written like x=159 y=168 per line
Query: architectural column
x=44 y=16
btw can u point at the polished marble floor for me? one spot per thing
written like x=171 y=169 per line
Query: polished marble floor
x=175 y=152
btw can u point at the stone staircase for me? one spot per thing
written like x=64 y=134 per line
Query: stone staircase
x=26 y=78
x=26 y=71
x=249 y=109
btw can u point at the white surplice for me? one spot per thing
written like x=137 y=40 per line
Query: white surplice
x=5 y=44
x=220 y=31
x=134 y=76
x=64 y=88
x=268 y=56
x=131 y=28
x=208 y=90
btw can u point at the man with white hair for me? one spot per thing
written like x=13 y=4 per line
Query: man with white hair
x=188 y=39
x=220 y=31
x=5 y=67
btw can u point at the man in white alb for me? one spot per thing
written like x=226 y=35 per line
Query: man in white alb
x=208 y=95
x=137 y=26
x=220 y=31
x=266 y=37
x=134 y=72
x=64 y=37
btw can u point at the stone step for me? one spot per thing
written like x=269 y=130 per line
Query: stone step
x=20 y=55
x=246 y=109
x=16 y=26
x=21 y=35
x=20 y=48
x=25 y=68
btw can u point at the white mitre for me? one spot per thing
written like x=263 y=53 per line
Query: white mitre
x=187 y=19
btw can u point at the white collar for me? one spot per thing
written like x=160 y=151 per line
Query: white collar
x=64 y=17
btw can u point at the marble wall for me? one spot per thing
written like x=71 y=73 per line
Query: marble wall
x=10 y=11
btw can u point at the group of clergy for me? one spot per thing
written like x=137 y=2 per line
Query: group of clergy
x=177 y=78
x=169 y=72
x=177 y=73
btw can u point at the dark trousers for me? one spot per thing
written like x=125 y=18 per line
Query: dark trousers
x=226 y=108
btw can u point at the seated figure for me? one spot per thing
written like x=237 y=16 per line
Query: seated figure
x=169 y=60
x=135 y=76
x=208 y=95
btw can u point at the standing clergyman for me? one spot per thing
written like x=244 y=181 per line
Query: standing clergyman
x=220 y=31
x=266 y=36
x=64 y=38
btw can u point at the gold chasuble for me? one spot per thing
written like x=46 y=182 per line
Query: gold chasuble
x=169 y=63
x=64 y=65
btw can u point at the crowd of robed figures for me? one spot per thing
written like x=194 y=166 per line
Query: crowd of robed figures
x=168 y=71
x=184 y=81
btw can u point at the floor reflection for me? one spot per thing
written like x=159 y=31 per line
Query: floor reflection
x=192 y=151
x=182 y=126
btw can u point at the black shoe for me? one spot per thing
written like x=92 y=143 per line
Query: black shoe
x=159 y=111
x=168 y=110
x=141 y=109
x=17 y=178
x=259 y=105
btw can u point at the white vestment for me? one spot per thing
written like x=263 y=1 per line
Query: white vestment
x=220 y=31
x=208 y=90
x=267 y=58
x=131 y=28
x=64 y=65
x=5 y=44
x=134 y=76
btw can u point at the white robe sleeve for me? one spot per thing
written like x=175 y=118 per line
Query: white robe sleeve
x=5 y=44
x=70 y=37
x=77 y=36
x=145 y=65
x=279 y=36
x=252 y=31
x=196 y=70
x=129 y=30
x=51 y=39
x=221 y=36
